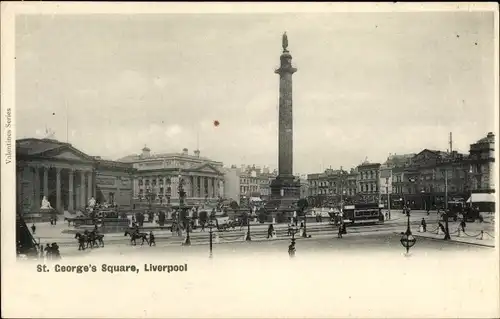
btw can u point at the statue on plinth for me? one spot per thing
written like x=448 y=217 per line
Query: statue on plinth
x=92 y=202
x=45 y=203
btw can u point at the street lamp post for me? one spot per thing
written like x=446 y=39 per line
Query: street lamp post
x=408 y=240
x=304 y=233
x=445 y=215
x=210 y=231
x=182 y=195
x=291 y=247
x=471 y=186
x=388 y=197
x=248 y=238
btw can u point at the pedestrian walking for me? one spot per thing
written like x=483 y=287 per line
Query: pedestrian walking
x=270 y=230
x=424 y=225
x=33 y=228
x=151 y=239
x=339 y=235
x=462 y=225
x=441 y=227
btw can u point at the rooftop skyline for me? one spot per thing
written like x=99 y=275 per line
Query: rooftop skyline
x=368 y=84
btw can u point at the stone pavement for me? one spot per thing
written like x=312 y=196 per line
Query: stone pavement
x=475 y=233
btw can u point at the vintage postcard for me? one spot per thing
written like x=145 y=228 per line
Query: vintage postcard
x=239 y=160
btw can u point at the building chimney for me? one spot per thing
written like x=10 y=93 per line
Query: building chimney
x=197 y=153
x=184 y=151
x=146 y=151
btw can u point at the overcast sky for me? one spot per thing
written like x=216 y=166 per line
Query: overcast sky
x=368 y=84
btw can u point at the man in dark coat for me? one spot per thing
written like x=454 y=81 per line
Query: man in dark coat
x=424 y=225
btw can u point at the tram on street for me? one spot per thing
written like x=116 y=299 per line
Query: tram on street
x=363 y=213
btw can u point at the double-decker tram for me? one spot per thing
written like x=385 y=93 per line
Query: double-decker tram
x=363 y=213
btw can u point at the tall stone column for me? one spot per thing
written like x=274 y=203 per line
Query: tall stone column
x=46 y=182
x=202 y=187
x=285 y=188
x=89 y=184
x=209 y=188
x=36 y=177
x=197 y=186
x=94 y=184
x=71 y=187
x=285 y=137
x=82 y=189
x=58 y=189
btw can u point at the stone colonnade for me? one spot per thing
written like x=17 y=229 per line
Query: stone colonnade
x=195 y=186
x=65 y=188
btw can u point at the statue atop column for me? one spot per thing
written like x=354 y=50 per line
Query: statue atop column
x=45 y=203
x=285 y=41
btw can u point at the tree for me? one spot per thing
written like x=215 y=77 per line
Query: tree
x=302 y=204
x=234 y=205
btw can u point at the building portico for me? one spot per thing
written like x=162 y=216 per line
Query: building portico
x=65 y=176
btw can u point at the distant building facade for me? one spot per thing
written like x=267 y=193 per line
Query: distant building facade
x=331 y=186
x=232 y=184
x=368 y=182
x=157 y=177
x=255 y=181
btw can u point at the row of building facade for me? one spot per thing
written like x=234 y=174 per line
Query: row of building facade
x=420 y=180
x=68 y=177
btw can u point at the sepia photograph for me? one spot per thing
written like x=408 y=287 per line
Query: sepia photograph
x=231 y=161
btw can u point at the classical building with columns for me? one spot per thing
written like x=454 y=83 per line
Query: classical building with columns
x=156 y=180
x=67 y=177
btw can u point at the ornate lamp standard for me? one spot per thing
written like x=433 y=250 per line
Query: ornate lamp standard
x=302 y=204
x=248 y=237
x=407 y=240
x=291 y=248
x=210 y=231
x=446 y=215
x=182 y=195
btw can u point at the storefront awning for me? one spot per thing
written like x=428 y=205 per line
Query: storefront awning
x=482 y=198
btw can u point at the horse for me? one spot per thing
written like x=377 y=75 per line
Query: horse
x=134 y=236
x=97 y=239
x=82 y=239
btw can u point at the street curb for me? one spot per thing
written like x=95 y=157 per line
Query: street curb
x=455 y=241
